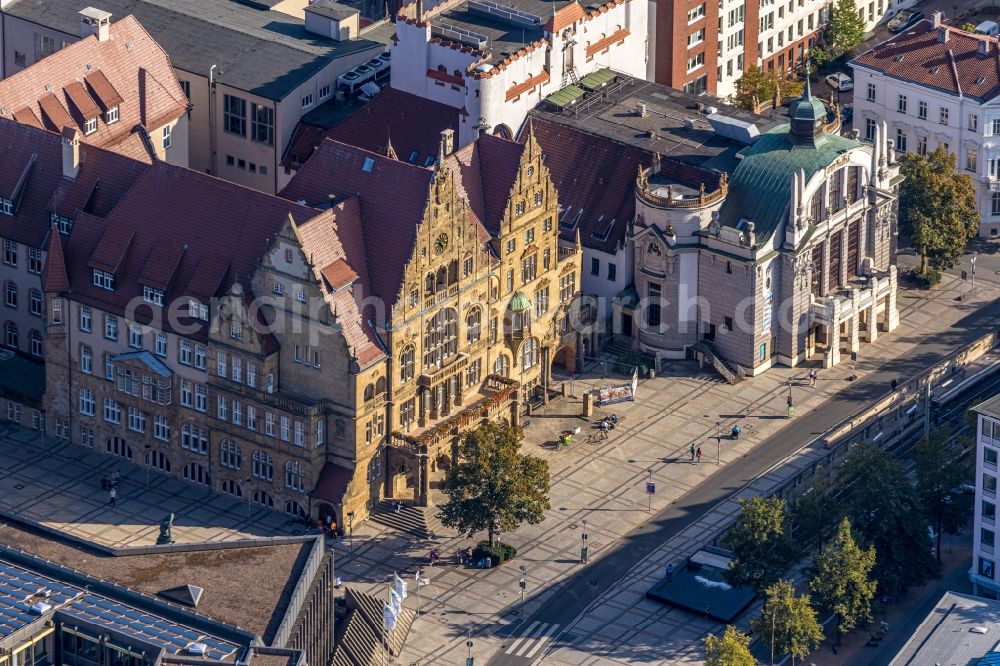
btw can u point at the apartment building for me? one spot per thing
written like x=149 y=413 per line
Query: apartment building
x=476 y=295
x=706 y=48
x=495 y=61
x=982 y=571
x=250 y=73
x=938 y=86
x=115 y=87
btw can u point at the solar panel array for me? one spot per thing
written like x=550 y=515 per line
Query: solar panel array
x=18 y=587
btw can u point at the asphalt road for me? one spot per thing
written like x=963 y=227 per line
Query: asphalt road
x=574 y=594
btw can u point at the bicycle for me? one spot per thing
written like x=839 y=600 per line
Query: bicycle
x=597 y=437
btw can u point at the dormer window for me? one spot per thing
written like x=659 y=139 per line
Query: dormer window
x=64 y=223
x=90 y=126
x=111 y=116
x=6 y=207
x=104 y=280
x=150 y=295
x=236 y=331
x=197 y=310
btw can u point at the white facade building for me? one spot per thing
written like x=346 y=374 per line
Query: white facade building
x=935 y=85
x=495 y=62
x=983 y=573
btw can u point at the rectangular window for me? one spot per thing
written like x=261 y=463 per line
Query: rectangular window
x=86 y=359
x=34 y=261
x=90 y=126
x=307 y=101
x=251 y=374
x=150 y=295
x=973 y=122
x=900 y=140
x=921 y=145
x=986 y=568
x=85 y=318
x=134 y=336
x=200 y=398
x=222 y=408
x=995 y=203
x=235 y=115
x=901 y=104
x=300 y=434
x=696 y=13
x=251 y=417
x=324 y=92
x=166 y=139
x=989 y=456
x=161 y=428
x=262 y=124
x=944 y=115
x=236 y=368
x=989 y=510
x=111 y=116
x=10 y=253
x=112 y=411
x=200 y=355
x=869 y=129
x=104 y=280
x=922 y=110
x=989 y=483
x=595 y=266
x=109 y=368
x=653 y=307
x=285 y=429
x=696 y=37
x=696 y=61
x=612 y=272
x=184 y=357
x=269 y=424
x=986 y=537
x=136 y=420
x=88 y=405
x=871 y=86
x=161 y=344
x=187 y=393
x=110 y=327
x=237 y=412
x=220 y=364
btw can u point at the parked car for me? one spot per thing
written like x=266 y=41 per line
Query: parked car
x=904 y=19
x=840 y=81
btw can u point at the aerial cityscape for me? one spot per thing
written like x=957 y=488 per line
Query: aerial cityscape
x=499 y=332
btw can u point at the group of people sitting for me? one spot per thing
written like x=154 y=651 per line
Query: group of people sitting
x=608 y=423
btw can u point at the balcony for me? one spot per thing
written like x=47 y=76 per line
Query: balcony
x=491 y=403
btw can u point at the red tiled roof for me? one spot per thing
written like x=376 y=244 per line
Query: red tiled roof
x=26 y=116
x=128 y=69
x=918 y=56
x=54 y=278
x=601 y=44
x=84 y=104
x=101 y=181
x=488 y=168
x=445 y=77
x=391 y=198
x=339 y=274
x=413 y=124
x=532 y=82
x=565 y=17
x=332 y=483
x=595 y=179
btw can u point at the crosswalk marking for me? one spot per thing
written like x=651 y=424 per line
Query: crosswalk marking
x=533 y=638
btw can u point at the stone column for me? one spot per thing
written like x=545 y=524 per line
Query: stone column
x=824 y=279
x=422 y=407
x=891 y=311
x=423 y=488
x=873 y=311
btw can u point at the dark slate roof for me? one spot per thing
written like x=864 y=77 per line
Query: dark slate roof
x=760 y=187
x=262 y=52
x=955 y=67
x=331 y=10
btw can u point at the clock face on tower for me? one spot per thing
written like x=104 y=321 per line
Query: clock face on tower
x=441 y=244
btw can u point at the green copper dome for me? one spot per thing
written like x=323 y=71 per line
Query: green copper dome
x=808 y=118
x=520 y=302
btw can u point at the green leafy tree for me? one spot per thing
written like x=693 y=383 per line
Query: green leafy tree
x=814 y=510
x=732 y=648
x=760 y=544
x=937 y=208
x=494 y=487
x=885 y=513
x=846 y=29
x=841 y=580
x=943 y=484
x=755 y=87
x=787 y=623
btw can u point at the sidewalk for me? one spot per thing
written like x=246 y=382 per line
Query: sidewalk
x=604 y=484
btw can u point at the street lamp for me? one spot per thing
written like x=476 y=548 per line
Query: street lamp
x=973 y=260
x=350 y=534
x=718 y=442
x=791 y=405
x=523 y=585
x=583 y=544
x=468 y=643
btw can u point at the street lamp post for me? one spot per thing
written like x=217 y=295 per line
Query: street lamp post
x=583 y=544
x=649 y=486
x=350 y=534
x=469 y=661
x=973 y=260
x=718 y=442
x=791 y=405
x=523 y=585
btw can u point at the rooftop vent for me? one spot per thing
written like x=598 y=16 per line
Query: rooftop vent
x=899 y=58
x=48 y=88
x=129 y=46
x=198 y=649
x=41 y=608
x=709 y=110
x=981 y=80
x=368 y=165
x=640 y=109
x=979 y=629
x=189 y=595
x=943 y=34
x=984 y=47
x=935 y=69
x=90 y=66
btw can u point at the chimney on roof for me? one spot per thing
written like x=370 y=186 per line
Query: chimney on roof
x=447 y=142
x=70 y=152
x=936 y=19
x=984 y=47
x=943 y=34
x=420 y=10
x=95 y=22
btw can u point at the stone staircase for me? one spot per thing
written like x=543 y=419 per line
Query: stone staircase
x=419 y=521
x=732 y=372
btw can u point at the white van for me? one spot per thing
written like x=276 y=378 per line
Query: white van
x=989 y=28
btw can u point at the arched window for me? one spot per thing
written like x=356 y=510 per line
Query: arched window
x=369 y=392
x=453 y=271
x=503 y=131
x=36 y=343
x=262 y=498
x=295 y=476
x=441 y=338
x=442 y=68
x=231 y=487
x=442 y=279
x=529 y=353
x=502 y=366
x=156 y=459
x=11 y=334
x=458 y=72
x=263 y=465
x=231 y=454
x=429 y=283
x=473 y=325
x=406 y=360
x=197 y=474
x=380 y=386
x=293 y=508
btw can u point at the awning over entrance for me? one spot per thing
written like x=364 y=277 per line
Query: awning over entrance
x=332 y=484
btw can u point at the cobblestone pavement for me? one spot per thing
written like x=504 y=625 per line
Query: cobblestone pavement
x=58 y=487
x=604 y=484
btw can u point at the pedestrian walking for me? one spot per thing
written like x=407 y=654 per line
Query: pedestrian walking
x=670 y=572
x=112 y=496
x=697 y=455
x=812 y=377
x=894 y=385
x=692 y=451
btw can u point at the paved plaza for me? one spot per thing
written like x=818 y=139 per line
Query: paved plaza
x=58 y=487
